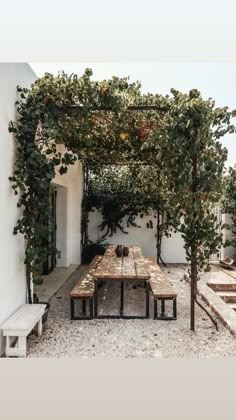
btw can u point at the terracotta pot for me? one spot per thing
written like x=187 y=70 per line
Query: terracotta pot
x=119 y=250
x=125 y=251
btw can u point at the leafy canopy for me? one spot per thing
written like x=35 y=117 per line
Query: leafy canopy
x=175 y=138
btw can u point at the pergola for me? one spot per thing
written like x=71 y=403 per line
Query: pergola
x=111 y=122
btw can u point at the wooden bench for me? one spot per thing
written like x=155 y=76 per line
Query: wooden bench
x=19 y=325
x=161 y=290
x=84 y=290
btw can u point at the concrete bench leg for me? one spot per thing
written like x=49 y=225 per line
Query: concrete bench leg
x=19 y=348
x=22 y=346
x=40 y=327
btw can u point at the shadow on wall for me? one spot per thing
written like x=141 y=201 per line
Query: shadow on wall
x=172 y=248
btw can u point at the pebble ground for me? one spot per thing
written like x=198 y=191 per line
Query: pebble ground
x=138 y=338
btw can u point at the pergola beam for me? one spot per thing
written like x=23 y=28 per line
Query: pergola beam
x=110 y=109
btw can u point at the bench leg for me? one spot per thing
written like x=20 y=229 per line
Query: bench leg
x=163 y=308
x=147 y=299
x=163 y=316
x=17 y=348
x=155 y=308
x=122 y=298
x=175 y=308
x=83 y=301
x=91 y=301
x=22 y=346
x=8 y=346
x=40 y=327
x=72 y=308
x=84 y=307
x=96 y=300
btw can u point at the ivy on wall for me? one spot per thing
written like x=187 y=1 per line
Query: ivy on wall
x=122 y=193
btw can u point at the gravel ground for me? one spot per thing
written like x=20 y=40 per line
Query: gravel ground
x=130 y=338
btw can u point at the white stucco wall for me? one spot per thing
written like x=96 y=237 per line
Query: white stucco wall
x=69 y=186
x=229 y=251
x=172 y=248
x=69 y=197
x=12 y=270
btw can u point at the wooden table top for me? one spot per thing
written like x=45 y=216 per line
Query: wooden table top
x=131 y=267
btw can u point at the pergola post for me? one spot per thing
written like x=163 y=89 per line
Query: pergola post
x=84 y=216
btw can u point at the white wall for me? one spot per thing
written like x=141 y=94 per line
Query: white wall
x=69 y=197
x=69 y=186
x=229 y=251
x=172 y=248
x=12 y=270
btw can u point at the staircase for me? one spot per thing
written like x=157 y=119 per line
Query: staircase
x=227 y=292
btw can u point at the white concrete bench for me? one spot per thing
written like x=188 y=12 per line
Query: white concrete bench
x=19 y=325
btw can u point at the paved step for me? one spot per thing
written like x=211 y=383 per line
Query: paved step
x=227 y=296
x=218 y=287
x=232 y=305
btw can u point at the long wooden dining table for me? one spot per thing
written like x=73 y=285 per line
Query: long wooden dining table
x=129 y=268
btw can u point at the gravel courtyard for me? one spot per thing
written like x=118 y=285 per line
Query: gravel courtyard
x=130 y=338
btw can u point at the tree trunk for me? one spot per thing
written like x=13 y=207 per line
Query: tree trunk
x=193 y=286
x=193 y=249
x=84 y=218
x=28 y=282
x=158 y=235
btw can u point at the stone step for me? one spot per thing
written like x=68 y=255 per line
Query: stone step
x=222 y=287
x=232 y=305
x=227 y=296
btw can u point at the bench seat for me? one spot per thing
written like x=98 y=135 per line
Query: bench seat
x=161 y=289
x=85 y=289
x=19 y=325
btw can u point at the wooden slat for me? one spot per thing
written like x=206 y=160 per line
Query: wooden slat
x=104 y=264
x=160 y=286
x=110 y=265
x=86 y=286
x=141 y=267
x=131 y=267
x=128 y=268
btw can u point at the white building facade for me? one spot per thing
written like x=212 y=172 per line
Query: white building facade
x=13 y=291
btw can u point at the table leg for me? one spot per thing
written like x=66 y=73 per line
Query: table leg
x=72 y=308
x=84 y=306
x=121 y=298
x=96 y=300
x=147 y=299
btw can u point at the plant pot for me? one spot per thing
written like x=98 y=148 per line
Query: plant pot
x=90 y=251
x=39 y=280
x=125 y=251
x=119 y=250
x=45 y=315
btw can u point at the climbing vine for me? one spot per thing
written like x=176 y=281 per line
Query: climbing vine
x=122 y=193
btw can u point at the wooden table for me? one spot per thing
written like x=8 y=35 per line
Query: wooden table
x=130 y=268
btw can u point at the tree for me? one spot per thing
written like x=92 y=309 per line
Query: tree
x=196 y=166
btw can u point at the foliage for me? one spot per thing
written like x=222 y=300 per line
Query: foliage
x=56 y=110
x=122 y=191
x=197 y=161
